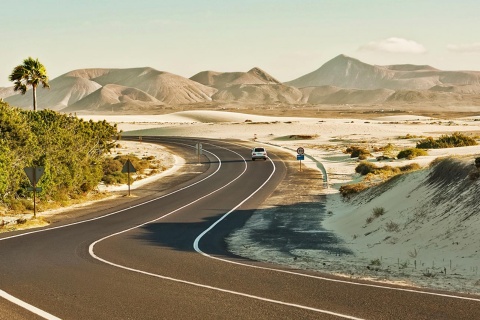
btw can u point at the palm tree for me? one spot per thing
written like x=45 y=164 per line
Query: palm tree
x=30 y=73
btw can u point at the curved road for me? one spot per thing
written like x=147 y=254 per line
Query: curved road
x=164 y=257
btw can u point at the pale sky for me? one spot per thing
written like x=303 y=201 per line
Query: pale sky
x=287 y=39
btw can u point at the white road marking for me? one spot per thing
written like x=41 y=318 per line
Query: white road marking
x=27 y=306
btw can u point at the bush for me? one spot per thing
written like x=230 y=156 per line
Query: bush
x=410 y=167
x=378 y=211
x=365 y=168
x=457 y=139
x=477 y=162
x=392 y=227
x=411 y=153
x=351 y=189
x=359 y=152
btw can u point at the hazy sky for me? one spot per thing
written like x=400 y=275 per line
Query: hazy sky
x=285 y=38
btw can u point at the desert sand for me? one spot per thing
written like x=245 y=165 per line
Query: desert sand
x=419 y=241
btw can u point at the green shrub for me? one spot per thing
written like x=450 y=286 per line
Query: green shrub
x=375 y=262
x=411 y=153
x=392 y=227
x=456 y=139
x=378 y=211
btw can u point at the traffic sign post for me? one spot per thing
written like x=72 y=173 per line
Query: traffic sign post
x=300 y=156
x=127 y=168
x=34 y=174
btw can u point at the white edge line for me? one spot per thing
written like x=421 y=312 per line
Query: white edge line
x=27 y=306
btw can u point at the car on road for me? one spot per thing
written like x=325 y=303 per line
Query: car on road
x=259 y=153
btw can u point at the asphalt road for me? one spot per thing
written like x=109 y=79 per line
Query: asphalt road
x=163 y=256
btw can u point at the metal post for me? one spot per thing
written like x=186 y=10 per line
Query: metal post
x=34 y=193
x=128 y=182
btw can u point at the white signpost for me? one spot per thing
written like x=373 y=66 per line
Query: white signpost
x=34 y=174
x=300 y=156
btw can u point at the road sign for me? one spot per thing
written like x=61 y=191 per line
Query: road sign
x=300 y=157
x=34 y=174
x=128 y=167
x=300 y=150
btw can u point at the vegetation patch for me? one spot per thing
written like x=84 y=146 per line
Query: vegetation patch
x=411 y=153
x=374 y=175
x=71 y=151
x=456 y=139
x=359 y=152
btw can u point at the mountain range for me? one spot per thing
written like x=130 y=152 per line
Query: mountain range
x=342 y=80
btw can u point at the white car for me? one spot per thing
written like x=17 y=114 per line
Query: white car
x=259 y=153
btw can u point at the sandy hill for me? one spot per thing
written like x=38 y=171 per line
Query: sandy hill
x=221 y=80
x=346 y=72
x=113 y=97
x=146 y=83
x=6 y=92
x=336 y=95
x=63 y=91
x=259 y=94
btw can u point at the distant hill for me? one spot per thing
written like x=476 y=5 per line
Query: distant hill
x=221 y=80
x=342 y=80
x=113 y=97
x=349 y=73
x=70 y=89
x=259 y=94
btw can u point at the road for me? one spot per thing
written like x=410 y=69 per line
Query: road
x=163 y=256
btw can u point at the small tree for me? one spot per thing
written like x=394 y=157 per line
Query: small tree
x=30 y=73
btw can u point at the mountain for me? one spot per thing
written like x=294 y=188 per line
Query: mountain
x=113 y=97
x=349 y=73
x=336 y=95
x=74 y=86
x=63 y=91
x=7 y=92
x=221 y=80
x=259 y=94
x=342 y=80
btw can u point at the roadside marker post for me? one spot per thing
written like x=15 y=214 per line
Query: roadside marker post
x=127 y=168
x=34 y=174
x=198 y=151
